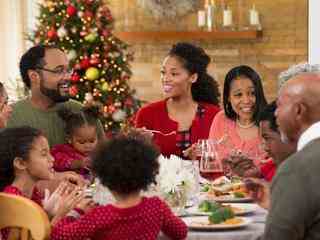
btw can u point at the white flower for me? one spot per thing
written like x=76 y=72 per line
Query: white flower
x=175 y=173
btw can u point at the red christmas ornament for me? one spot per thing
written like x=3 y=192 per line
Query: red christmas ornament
x=105 y=33
x=85 y=63
x=71 y=10
x=75 y=77
x=73 y=91
x=94 y=61
x=77 y=66
x=88 y=15
x=111 y=109
x=89 y=1
x=52 y=33
x=128 y=102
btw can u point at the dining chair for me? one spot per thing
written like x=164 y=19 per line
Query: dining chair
x=25 y=218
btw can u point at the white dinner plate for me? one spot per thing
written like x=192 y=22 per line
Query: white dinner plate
x=224 y=198
x=202 y=223
x=239 y=209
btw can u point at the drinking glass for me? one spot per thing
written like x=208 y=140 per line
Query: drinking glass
x=210 y=167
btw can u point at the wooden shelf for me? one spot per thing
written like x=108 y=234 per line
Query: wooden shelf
x=139 y=36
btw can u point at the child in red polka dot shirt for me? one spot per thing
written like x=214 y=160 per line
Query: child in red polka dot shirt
x=126 y=165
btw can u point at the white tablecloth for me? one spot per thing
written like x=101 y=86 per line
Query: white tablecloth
x=251 y=232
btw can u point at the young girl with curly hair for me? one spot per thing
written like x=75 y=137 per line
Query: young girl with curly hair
x=126 y=166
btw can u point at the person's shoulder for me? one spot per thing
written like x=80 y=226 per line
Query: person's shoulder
x=73 y=104
x=153 y=107
x=154 y=201
x=21 y=104
x=65 y=147
x=210 y=106
x=221 y=117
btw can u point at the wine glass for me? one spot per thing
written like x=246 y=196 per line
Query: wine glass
x=210 y=167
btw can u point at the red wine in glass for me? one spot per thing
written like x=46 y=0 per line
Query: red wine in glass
x=209 y=175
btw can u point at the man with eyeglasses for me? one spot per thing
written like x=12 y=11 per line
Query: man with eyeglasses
x=45 y=71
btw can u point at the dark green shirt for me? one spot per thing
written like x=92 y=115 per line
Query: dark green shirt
x=295 y=197
x=24 y=114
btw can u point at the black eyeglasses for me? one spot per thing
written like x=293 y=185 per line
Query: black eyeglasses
x=58 y=71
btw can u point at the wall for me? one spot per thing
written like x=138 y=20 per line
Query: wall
x=284 y=42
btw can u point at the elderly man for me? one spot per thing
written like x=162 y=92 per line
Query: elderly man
x=295 y=198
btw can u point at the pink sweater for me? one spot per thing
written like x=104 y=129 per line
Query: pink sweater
x=143 y=221
x=224 y=128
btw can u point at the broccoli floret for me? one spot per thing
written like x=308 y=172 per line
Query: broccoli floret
x=239 y=195
x=227 y=213
x=207 y=206
x=216 y=217
x=205 y=188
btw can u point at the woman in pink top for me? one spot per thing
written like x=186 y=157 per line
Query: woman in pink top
x=236 y=128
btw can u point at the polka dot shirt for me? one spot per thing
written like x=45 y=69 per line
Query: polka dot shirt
x=143 y=221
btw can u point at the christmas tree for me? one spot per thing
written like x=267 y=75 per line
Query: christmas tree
x=83 y=29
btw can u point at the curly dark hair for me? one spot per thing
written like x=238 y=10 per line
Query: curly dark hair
x=248 y=72
x=268 y=114
x=14 y=142
x=75 y=120
x=195 y=60
x=31 y=60
x=126 y=164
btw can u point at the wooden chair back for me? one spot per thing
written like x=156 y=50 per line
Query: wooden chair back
x=26 y=219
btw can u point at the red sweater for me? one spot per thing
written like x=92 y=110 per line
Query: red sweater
x=143 y=221
x=155 y=116
x=64 y=155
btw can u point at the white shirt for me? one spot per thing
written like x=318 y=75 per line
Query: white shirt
x=312 y=133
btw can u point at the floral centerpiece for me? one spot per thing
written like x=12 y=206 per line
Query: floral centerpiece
x=177 y=181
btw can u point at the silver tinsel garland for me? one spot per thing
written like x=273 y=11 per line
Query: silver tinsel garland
x=168 y=9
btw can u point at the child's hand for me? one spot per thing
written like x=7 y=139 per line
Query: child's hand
x=50 y=201
x=72 y=177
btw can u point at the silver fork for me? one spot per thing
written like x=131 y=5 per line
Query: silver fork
x=161 y=133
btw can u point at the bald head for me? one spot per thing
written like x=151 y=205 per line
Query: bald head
x=298 y=105
x=304 y=88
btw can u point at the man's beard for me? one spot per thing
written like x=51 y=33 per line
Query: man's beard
x=54 y=94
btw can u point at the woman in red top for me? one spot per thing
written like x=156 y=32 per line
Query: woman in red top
x=191 y=101
x=126 y=166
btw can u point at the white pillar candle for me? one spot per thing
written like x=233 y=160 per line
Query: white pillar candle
x=227 y=17
x=254 y=17
x=201 y=18
x=209 y=17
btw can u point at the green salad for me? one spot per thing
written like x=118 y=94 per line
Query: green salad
x=218 y=212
